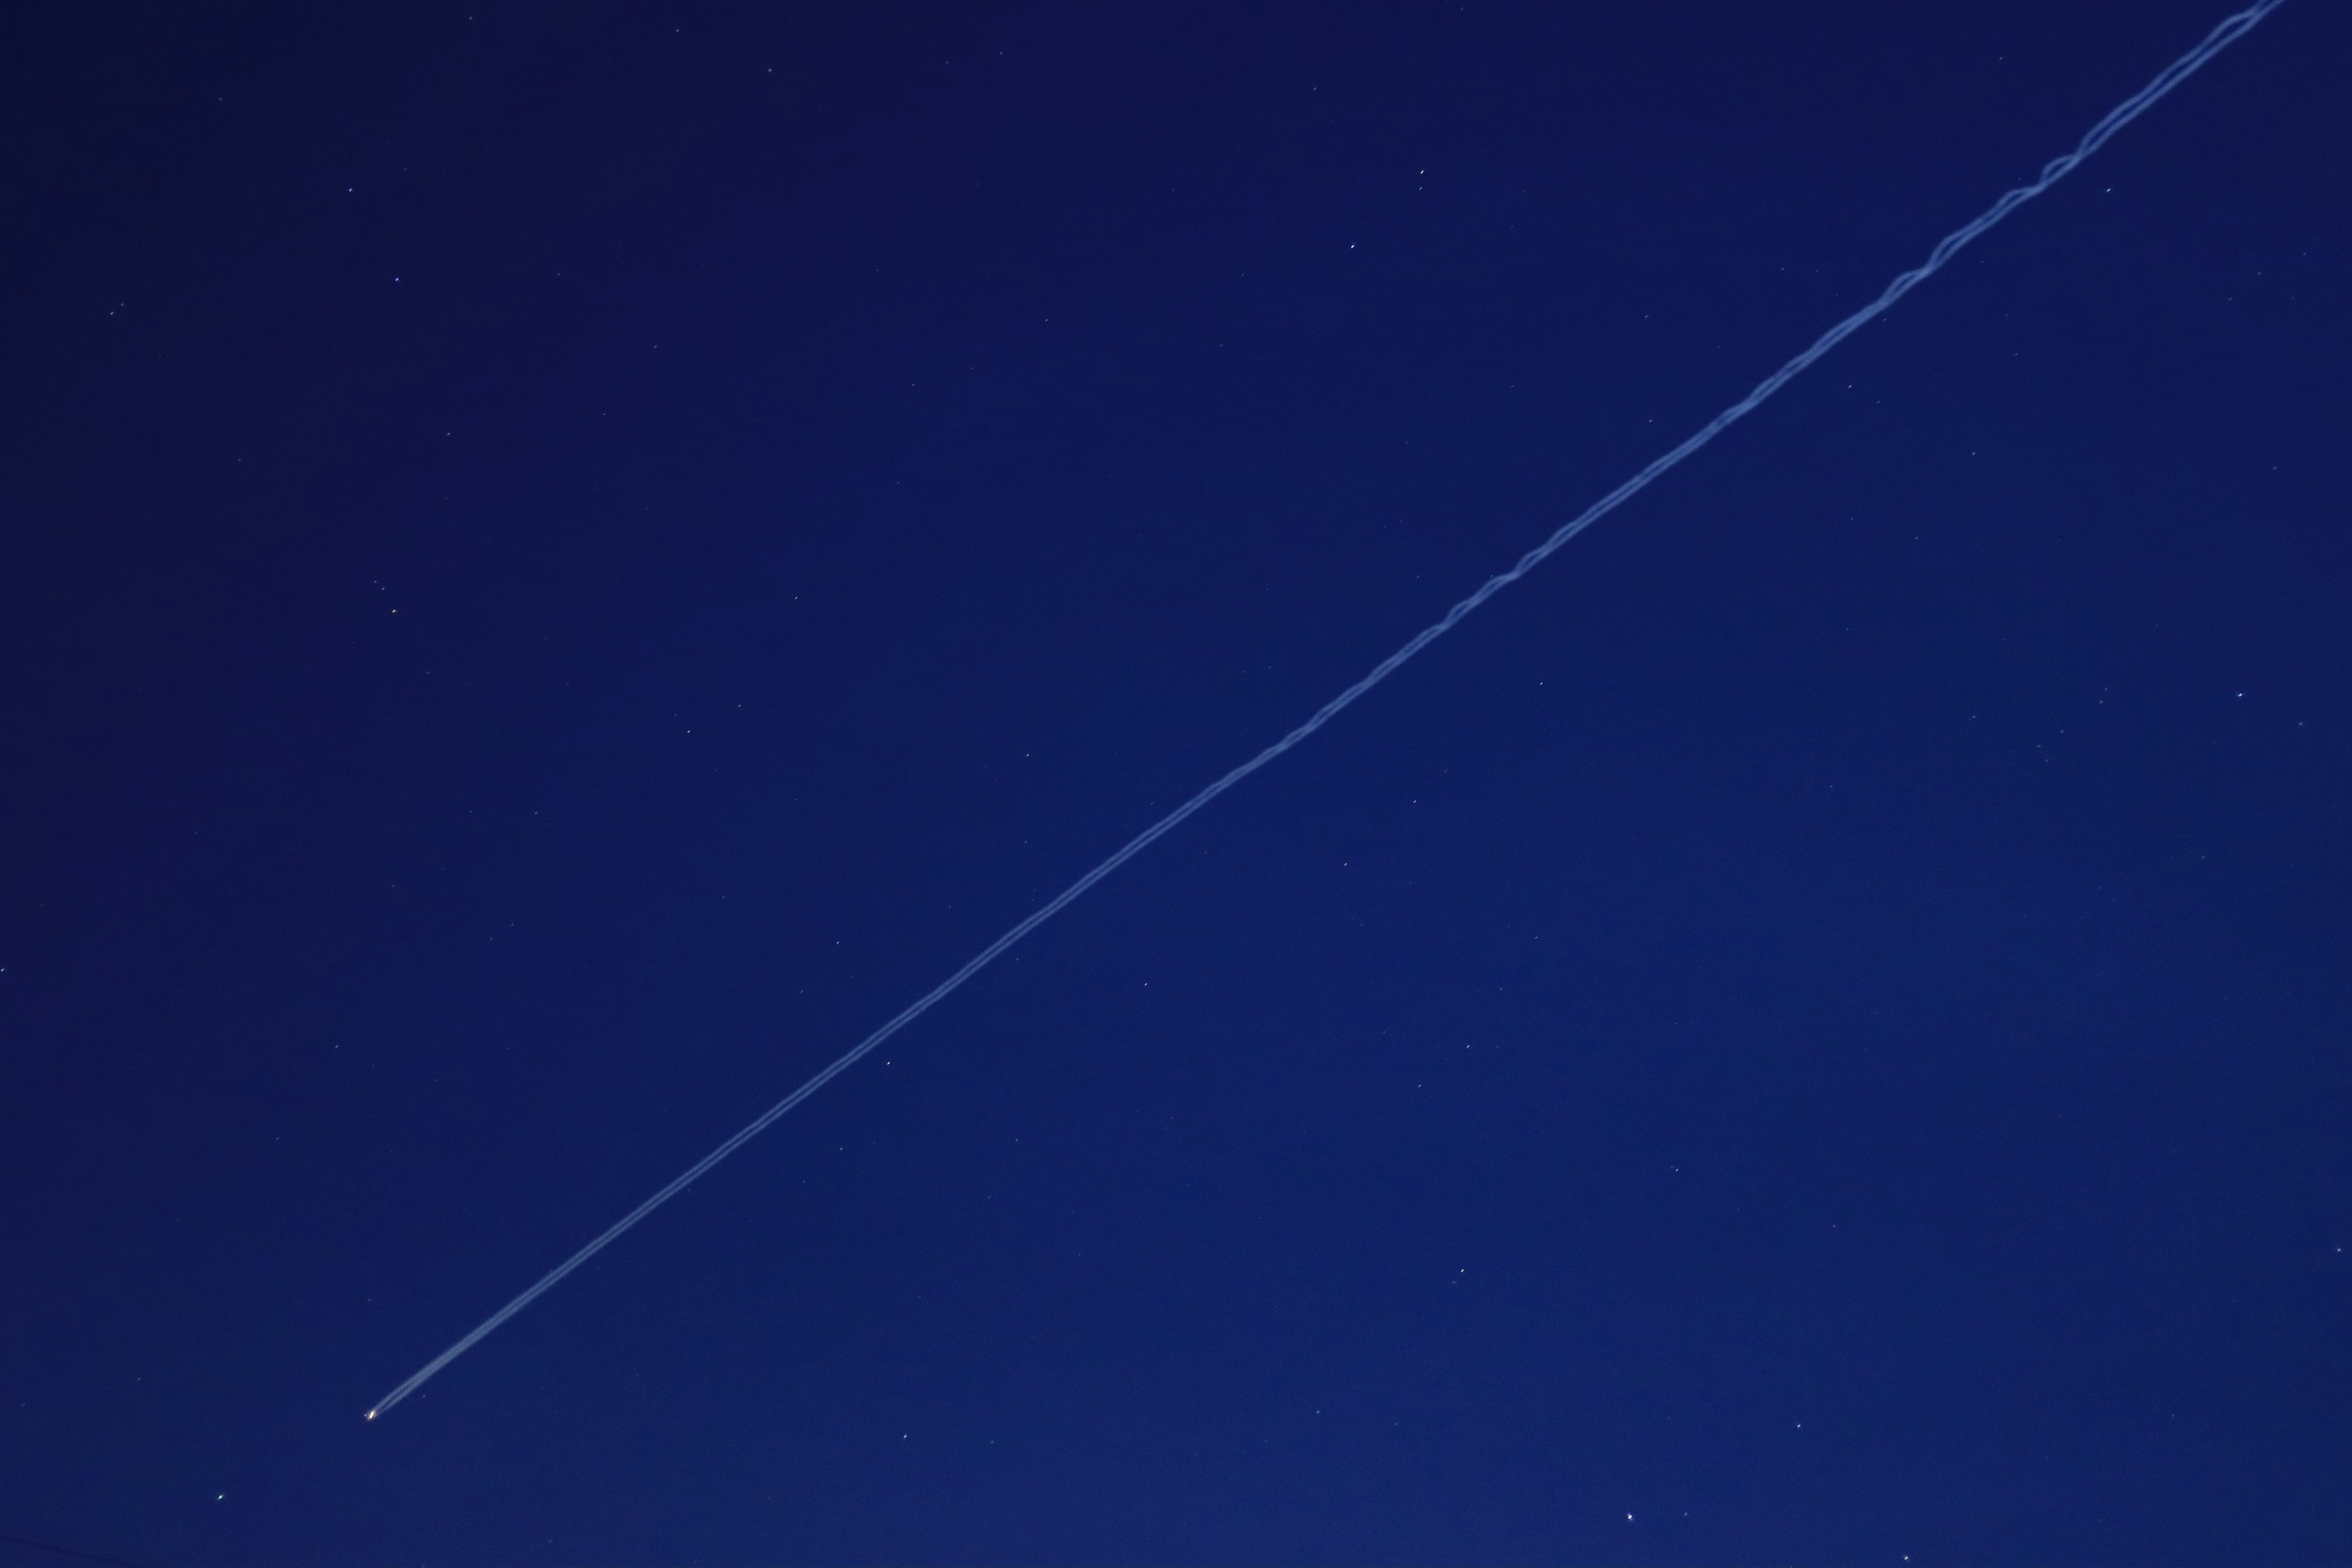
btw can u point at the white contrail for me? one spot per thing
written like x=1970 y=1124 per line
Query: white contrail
x=2220 y=37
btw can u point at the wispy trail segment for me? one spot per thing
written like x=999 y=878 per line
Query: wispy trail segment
x=2229 y=31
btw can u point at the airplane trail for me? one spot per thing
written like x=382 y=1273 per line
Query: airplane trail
x=2227 y=32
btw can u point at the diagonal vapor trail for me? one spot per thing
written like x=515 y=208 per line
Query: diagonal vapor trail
x=2227 y=32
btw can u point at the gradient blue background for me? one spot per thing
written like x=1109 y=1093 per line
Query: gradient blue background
x=562 y=563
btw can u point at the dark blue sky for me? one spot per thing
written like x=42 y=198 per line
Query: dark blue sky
x=562 y=562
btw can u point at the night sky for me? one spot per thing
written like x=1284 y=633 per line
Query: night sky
x=562 y=562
